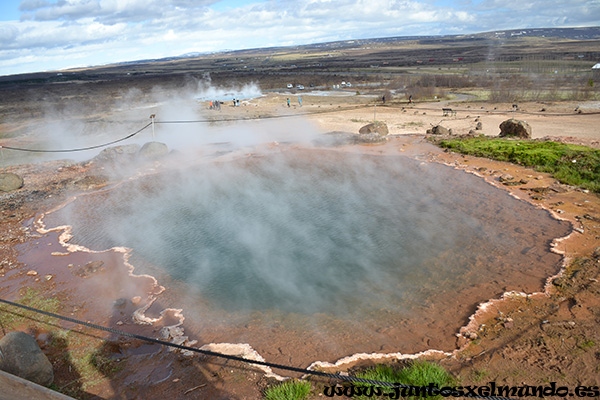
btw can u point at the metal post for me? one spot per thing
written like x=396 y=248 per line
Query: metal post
x=152 y=118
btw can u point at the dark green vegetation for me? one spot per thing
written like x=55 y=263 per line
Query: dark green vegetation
x=419 y=373
x=570 y=164
x=289 y=390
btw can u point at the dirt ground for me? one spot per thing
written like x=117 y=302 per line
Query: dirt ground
x=533 y=339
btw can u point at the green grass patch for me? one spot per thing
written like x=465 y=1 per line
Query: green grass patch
x=289 y=390
x=418 y=373
x=585 y=344
x=570 y=164
x=13 y=317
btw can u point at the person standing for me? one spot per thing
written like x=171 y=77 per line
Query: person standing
x=288 y=101
x=300 y=101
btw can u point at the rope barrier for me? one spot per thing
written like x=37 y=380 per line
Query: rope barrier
x=177 y=122
x=78 y=149
x=347 y=378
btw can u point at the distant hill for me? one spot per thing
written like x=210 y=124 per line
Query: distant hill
x=358 y=55
x=585 y=33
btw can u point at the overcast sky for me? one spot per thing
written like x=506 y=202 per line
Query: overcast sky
x=42 y=35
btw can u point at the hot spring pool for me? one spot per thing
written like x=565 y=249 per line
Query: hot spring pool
x=325 y=236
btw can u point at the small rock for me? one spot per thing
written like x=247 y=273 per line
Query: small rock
x=136 y=300
x=119 y=323
x=120 y=303
x=580 y=230
x=506 y=178
x=48 y=277
x=32 y=273
x=153 y=150
x=10 y=182
x=90 y=269
x=470 y=335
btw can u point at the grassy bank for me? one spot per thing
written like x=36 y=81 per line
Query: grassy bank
x=570 y=164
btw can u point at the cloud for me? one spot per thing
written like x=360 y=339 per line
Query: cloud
x=32 y=5
x=119 y=30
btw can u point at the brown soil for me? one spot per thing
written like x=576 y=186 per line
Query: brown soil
x=533 y=339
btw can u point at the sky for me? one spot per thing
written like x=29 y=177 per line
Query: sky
x=49 y=35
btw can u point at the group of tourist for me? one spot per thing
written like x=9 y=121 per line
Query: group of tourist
x=299 y=101
x=214 y=105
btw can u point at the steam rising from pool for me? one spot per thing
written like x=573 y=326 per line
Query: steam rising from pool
x=318 y=232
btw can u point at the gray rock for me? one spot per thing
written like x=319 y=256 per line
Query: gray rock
x=153 y=150
x=10 y=182
x=118 y=153
x=378 y=128
x=438 y=130
x=479 y=126
x=515 y=128
x=20 y=355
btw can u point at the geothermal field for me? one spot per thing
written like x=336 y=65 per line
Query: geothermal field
x=270 y=228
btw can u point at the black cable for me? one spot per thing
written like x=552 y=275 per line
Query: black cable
x=347 y=378
x=78 y=149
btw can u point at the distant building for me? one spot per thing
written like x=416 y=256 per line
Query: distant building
x=596 y=71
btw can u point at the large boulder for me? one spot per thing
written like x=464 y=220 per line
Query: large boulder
x=378 y=128
x=515 y=128
x=153 y=150
x=438 y=130
x=20 y=355
x=122 y=153
x=10 y=182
